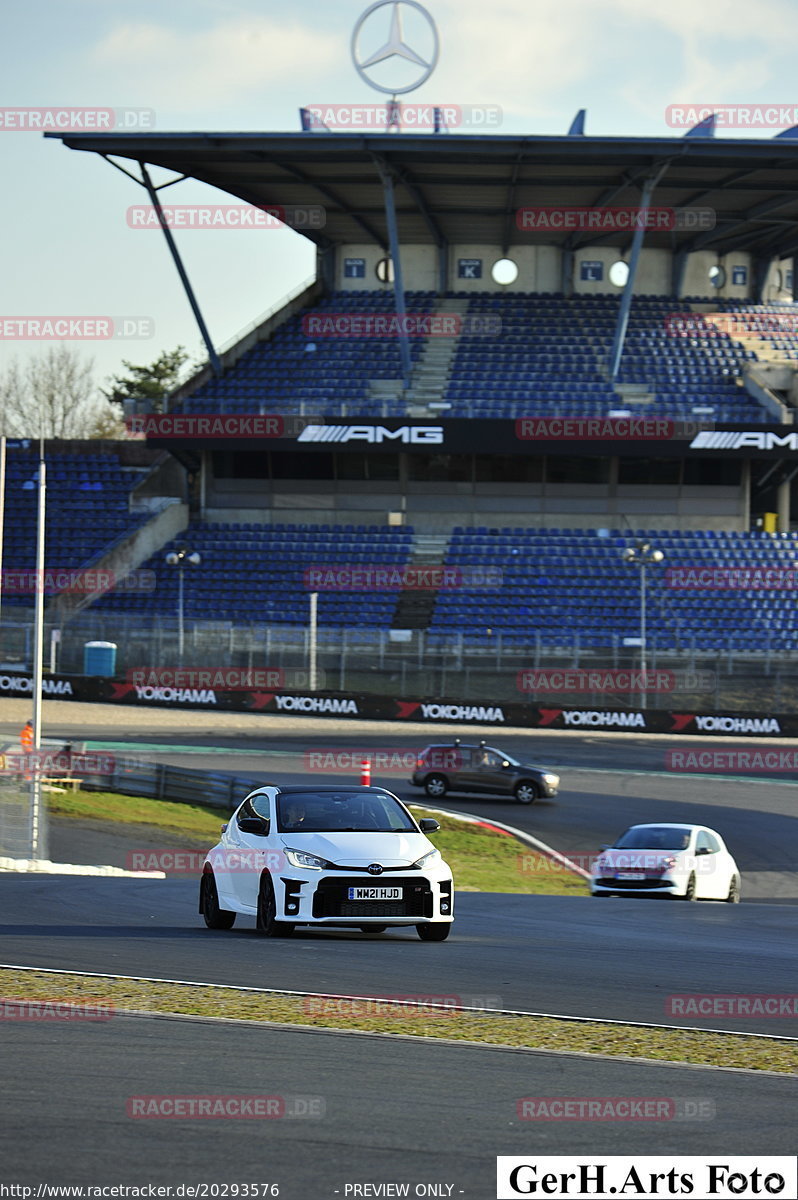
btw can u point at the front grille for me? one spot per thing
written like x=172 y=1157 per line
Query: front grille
x=331 y=899
x=637 y=884
x=367 y=908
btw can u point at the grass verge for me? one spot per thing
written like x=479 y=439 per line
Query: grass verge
x=542 y=1033
x=482 y=860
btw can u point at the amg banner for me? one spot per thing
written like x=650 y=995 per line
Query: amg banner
x=358 y=706
x=632 y=435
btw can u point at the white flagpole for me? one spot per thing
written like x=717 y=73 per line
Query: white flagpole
x=38 y=665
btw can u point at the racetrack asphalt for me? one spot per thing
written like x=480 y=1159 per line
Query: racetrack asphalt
x=391 y=1109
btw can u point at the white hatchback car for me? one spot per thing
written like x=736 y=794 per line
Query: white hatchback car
x=689 y=862
x=352 y=856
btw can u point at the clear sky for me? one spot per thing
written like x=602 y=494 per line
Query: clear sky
x=205 y=65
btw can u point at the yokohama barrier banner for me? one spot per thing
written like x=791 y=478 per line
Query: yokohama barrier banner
x=481 y=711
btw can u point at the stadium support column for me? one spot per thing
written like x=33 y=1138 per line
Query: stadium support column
x=628 y=291
x=783 y=504
x=567 y=271
x=398 y=281
x=170 y=241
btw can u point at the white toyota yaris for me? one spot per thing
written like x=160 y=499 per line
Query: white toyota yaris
x=352 y=856
x=689 y=862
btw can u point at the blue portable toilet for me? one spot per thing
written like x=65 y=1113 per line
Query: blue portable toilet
x=99 y=658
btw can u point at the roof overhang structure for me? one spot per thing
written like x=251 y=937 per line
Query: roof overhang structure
x=461 y=189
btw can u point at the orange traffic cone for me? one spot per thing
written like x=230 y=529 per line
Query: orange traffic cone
x=365 y=773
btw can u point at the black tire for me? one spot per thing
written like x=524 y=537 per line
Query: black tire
x=436 y=931
x=690 y=891
x=436 y=786
x=734 y=890
x=373 y=928
x=526 y=792
x=266 y=921
x=215 y=917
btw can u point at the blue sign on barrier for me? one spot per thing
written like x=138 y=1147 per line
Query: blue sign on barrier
x=354 y=268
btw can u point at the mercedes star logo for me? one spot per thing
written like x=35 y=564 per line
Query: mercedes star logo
x=375 y=869
x=395 y=47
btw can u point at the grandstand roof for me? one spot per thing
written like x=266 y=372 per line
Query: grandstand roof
x=466 y=189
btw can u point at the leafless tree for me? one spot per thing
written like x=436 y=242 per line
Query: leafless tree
x=54 y=395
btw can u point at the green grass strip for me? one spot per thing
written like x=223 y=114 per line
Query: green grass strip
x=540 y=1033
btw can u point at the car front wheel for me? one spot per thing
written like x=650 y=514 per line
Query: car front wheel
x=436 y=786
x=266 y=921
x=526 y=792
x=436 y=931
x=215 y=917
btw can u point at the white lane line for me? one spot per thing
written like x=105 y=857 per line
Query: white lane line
x=411 y=1004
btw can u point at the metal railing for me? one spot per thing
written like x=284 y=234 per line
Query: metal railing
x=423 y=666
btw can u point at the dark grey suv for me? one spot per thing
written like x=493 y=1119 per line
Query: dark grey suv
x=474 y=767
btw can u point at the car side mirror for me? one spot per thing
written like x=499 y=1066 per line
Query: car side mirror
x=703 y=850
x=428 y=824
x=256 y=825
x=224 y=827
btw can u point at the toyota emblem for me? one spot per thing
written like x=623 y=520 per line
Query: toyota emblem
x=375 y=869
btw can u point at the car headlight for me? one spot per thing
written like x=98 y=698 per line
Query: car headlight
x=552 y=780
x=668 y=863
x=426 y=859
x=311 y=862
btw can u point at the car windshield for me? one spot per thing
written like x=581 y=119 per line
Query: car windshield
x=653 y=837
x=341 y=812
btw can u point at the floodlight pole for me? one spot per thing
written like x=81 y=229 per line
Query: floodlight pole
x=36 y=839
x=312 y=642
x=2 y=520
